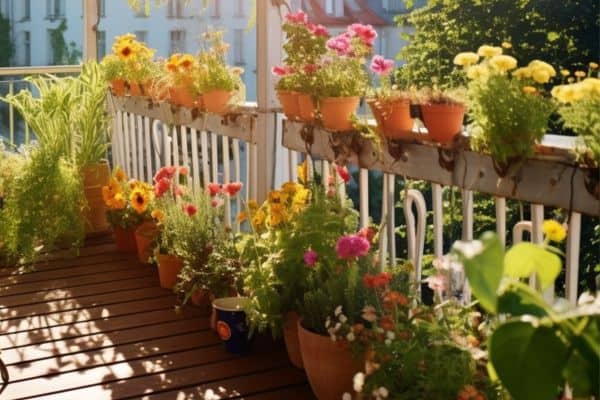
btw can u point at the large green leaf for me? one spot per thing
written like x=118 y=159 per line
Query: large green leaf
x=519 y=299
x=524 y=259
x=484 y=267
x=529 y=359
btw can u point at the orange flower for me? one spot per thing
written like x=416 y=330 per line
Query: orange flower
x=120 y=175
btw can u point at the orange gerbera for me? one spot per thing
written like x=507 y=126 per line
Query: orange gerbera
x=139 y=199
x=186 y=61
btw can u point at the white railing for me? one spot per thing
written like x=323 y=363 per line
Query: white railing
x=148 y=136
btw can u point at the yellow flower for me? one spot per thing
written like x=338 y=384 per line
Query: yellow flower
x=538 y=64
x=237 y=71
x=503 y=63
x=591 y=85
x=120 y=175
x=522 y=73
x=258 y=219
x=507 y=45
x=571 y=79
x=242 y=216
x=540 y=75
x=489 y=51
x=565 y=72
x=186 y=61
x=466 y=59
x=276 y=214
x=580 y=74
x=554 y=231
x=529 y=90
x=118 y=201
x=125 y=51
x=252 y=205
x=275 y=196
x=290 y=187
x=139 y=199
x=593 y=65
x=303 y=172
x=158 y=215
x=478 y=72
x=568 y=93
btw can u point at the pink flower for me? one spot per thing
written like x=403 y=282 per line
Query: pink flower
x=340 y=44
x=179 y=191
x=162 y=186
x=165 y=172
x=318 y=30
x=190 y=209
x=343 y=173
x=214 y=189
x=232 y=188
x=310 y=258
x=381 y=66
x=278 y=70
x=437 y=283
x=310 y=69
x=297 y=18
x=184 y=171
x=366 y=33
x=352 y=246
x=217 y=202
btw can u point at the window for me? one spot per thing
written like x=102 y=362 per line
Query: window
x=177 y=42
x=334 y=7
x=141 y=12
x=238 y=47
x=55 y=9
x=142 y=36
x=101 y=8
x=101 y=44
x=394 y=6
x=216 y=9
x=50 y=48
x=239 y=9
x=26 y=10
x=175 y=8
x=26 y=48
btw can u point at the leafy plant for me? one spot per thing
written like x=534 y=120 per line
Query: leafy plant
x=130 y=60
x=533 y=338
x=215 y=74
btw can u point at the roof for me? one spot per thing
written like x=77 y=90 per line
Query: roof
x=354 y=11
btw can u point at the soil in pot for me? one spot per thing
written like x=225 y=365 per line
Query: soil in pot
x=125 y=239
x=289 y=103
x=94 y=177
x=217 y=101
x=336 y=112
x=443 y=121
x=330 y=368
x=393 y=118
x=290 y=337
x=169 y=267
x=306 y=107
x=145 y=235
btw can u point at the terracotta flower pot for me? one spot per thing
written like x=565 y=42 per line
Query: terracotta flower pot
x=289 y=103
x=118 y=87
x=217 y=101
x=200 y=103
x=145 y=235
x=336 y=112
x=443 y=121
x=290 y=337
x=156 y=91
x=135 y=89
x=125 y=239
x=393 y=118
x=306 y=108
x=330 y=368
x=203 y=299
x=94 y=177
x=180 y=96
x=169 y=267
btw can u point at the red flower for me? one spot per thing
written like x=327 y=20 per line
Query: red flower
x=162 y=186
x=232 y=188
x=184 y=171
x=280 y=71
x=368 y=233
x=214 y=189
x=165 y=172
x=380 y=280
x=216 y=202
x=190 y=209
x=299 y=17
x=319 y=30
x=343 y=173
x=310 y=69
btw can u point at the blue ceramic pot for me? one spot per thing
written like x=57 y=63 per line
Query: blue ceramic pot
x=231 y=323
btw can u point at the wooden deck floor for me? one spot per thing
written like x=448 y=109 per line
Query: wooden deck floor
x=99 y=327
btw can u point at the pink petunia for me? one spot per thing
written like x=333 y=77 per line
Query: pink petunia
x=232 y=188
x=343 y=173
x=310 y=258
x=214 y=189
x=299 y=17
x=381 y=66
x=352 y=246
x=365 y=33
x=190 y=209
x=340 y=44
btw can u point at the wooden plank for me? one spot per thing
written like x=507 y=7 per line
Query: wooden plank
x=258 y=385
x=136 y=271
x=165 y=301
x=163 y=326
x=114 y=354
x=299 y=392
x=544 y=179
x=164 y=377
x=78 y=292
x=89 y=327
x=79 y=303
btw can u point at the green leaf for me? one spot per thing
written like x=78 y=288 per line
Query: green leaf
x=580 y=375
x=519 y=299
x=524 y=259
x=483 y=268
x=528 y=359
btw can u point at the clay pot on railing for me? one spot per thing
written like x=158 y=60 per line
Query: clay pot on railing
x=393 y=117
x=118 y=87
x=336 y=112
x=217 y=101
x=289 y=103
x=135 y=89
x=181 y=96
x=443 y=121
x=306 y=108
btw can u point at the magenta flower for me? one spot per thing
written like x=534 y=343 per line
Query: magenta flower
x=343 y=173
x=310 y=257
x=340 y=44
x=280 y=71
x=366 y=33
x=297 y=17
x=319 y=30
x=381 y=66
x=352 y=246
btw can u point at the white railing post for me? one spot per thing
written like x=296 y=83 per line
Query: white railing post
x=467 y=212
x=501 y=219
x=573 y=242
x=269 y=39
x=438 y=220
x=90 y=29
x=415 y=230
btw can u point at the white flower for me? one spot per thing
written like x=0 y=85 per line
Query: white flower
x=469 y=249
x=346 y=396
x=390 y=335
x=387 y=342
x=343 y=318
x=369 y=313
x=586 y=298
x=383 y=392
x=359 y=381
x=327 y=322
x=337 y=327
x=338 y=310
x=333 y=338
x=350 y=337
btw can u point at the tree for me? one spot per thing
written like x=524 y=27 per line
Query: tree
x=7 y=48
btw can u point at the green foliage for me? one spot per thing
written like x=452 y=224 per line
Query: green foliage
x=564 y=33
x=7 y=48
x=215 y=74
x=524 y=259
x=343 y=77
x=64 y=54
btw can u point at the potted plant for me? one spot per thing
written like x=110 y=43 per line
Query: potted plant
x=390 y=107
x=442 y=112
x=579 y=109
x=218 y=83
x=180 y=70
x=509 y=111
x=128 y=204
x=342 y=80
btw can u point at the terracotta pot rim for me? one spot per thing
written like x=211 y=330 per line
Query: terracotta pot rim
x=443 y=105
x=342 y=99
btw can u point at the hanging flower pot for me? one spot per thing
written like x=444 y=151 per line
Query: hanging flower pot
x=306 y=107
x=145 y=236
x=94 y=177
x=289 y=103
x=169 y=267
x=443 y=121
x=135 y=89
x=337 y=111
x=290 y=337
x=330 y=368
x=393 y=117
x=231 y=323
x=217 y=101
x=125 y=239
x=118 y=87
